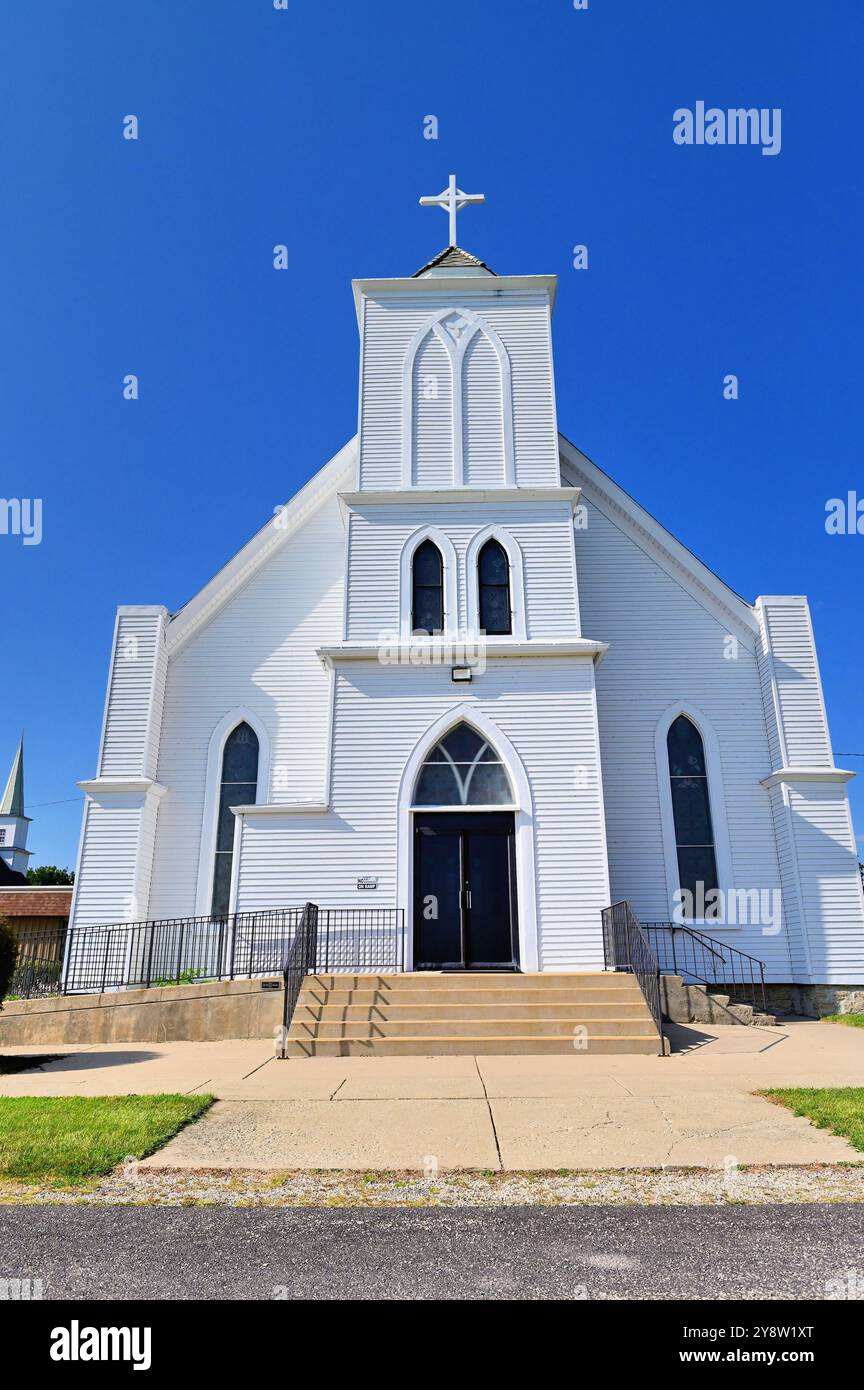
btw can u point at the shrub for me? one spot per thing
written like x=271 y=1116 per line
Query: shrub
x=8 y=957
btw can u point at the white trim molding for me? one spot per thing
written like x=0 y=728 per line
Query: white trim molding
x=443 y=651
x=517 y=583
x=526 y=893
x=206 y=854
x=459 y=496
x=716 y=799
x=450 y=565
x=456 y=346
x=807 y=774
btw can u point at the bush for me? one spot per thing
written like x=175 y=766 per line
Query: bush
x=8 y=957
x=34 y=977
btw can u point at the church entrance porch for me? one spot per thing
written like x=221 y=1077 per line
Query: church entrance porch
x=465 y=891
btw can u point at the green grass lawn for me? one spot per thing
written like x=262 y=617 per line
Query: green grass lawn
x=840 y=1109
x=851 y=1020
x=68 y=1139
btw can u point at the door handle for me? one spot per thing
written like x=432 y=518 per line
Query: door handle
x=465 y=896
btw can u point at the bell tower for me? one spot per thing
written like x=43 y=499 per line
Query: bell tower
x=13 y=822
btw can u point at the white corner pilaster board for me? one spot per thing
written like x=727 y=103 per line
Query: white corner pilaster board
x=818 y=853
x=807 y=774
x=428 y=651
x=115 y=856
x=132 y=714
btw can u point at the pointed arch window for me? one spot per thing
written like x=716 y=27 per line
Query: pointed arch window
x=691 y=809
x=427 y=589
x=463 y=770
x=238 y=787
x=493 y=584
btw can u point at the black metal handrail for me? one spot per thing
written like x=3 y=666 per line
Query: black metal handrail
x=704 y=960
x=300 y=960
x=626 y=947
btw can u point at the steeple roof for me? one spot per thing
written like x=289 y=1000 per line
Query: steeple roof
x=454 y=258
x=13 y=797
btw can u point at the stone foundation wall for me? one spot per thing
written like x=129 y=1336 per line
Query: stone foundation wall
x=175 y=1013
x=815 y=1001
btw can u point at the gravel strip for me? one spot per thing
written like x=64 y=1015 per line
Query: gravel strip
x=130 y=1186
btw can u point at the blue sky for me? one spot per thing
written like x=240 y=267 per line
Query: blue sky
x=305 y=127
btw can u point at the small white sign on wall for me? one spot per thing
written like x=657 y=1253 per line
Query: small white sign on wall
x=368 y=881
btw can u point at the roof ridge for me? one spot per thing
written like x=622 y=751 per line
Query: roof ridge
x=454 y=256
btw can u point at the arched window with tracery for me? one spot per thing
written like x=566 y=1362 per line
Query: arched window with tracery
x=493 y=587
x=238 y=787
x=463 y=769
x=427 y=589
x=691 y=809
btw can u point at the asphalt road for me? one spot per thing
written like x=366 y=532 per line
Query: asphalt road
x=455 y=1253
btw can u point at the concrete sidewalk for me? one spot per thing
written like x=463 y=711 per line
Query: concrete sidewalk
x=695 y=1108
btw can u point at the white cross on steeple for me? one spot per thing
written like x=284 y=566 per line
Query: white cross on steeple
x=451 y=200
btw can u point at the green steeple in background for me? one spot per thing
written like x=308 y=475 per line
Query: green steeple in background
x=13 y=797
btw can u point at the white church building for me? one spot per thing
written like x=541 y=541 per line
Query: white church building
x=461 y=673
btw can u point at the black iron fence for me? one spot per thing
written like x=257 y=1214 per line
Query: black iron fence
x=703 y=960
x=188 y=950
x=178 y=950
x=626 y=947
x=39 y=964
x=360 y=939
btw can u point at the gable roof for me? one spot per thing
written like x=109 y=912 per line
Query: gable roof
x=254 y=554
x=453 y=257
x=651 y=536
x=576 y=469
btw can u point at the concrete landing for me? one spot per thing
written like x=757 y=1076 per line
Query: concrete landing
x=695 y=1108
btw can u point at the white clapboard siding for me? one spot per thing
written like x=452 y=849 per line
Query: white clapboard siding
x=542 y=530
x=136 y=685
x=432 y=454
x=522 y=322
x=482 y=415
x=665 y=647
x=544 y=707
x=257 y=653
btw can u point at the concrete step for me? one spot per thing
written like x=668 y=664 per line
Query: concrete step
x=317 y=995
x=471 y=1027
x=472 y=979
x=482 y=1045
x=513 y=1009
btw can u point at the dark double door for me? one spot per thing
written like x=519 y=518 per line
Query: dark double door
x=465 y=891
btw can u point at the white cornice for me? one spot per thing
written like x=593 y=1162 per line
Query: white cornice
x=807 y=774
x=454 y=496
x=240 y=569
x=443 y=652
x=100 y=786
x=461 y=285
